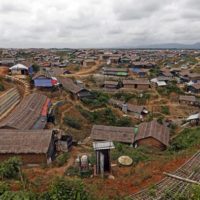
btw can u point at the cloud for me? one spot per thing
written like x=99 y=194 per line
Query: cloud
x=135 y=9
x=94 y=23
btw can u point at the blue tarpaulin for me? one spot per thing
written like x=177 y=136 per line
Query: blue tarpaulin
x=43 y=83
x=136 y=70
x=30 y=70
x=41 y=123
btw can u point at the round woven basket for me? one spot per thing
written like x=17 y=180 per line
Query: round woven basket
x=125 y=160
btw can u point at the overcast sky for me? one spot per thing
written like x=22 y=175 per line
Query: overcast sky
x=98 y=23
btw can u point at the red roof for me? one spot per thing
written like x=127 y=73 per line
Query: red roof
x=45 y=107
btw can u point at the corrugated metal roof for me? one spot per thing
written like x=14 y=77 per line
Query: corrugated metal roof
x=194 y=117
x=103 y=145
x=161 y=83
x=26 y=113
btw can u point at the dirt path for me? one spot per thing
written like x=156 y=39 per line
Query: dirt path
x=46 y=173
x=84 y=72
x=89 y=70
x=60 y=171
x=64 y=112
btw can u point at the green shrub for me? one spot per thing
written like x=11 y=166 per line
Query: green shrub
x=154 y=72
x=124 y=96
x=195 y=192
x=3 y=187
x=186 y=139
x=152 y=192
x=165 y=110
x=160 y=120
x=36 y=68
x=62 y=159
x=2 y=88
x=60 y=189
x=67 y=189
x=72 y=171
x=21 y=195
x=106 y=117
x=72 y=122
x=171 y=88
x=92 y=159
x=143 y=99
x=124 y=121
x=10 y=168
x=139 y=154
x=99 y=100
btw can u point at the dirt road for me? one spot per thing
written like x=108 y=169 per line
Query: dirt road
x=85 y=72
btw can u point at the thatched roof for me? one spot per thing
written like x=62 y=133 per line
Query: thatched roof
x=136 y=82
x=41 y=73
x=196 y=86
x=130 y=107
x=112 y=69
x=69 y=85
x=112 y=133
x=114 y=83
x=128 y=135
x=22 y=142
x=116 y=102
x=155 y=130
x=135 y=108
x=187 y=98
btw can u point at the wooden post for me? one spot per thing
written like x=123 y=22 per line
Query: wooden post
x=102 y=164
x=97 y=162
x=182 y=179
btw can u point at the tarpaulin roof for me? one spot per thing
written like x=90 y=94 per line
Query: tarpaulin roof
x=18 y=67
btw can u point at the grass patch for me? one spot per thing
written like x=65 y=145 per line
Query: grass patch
x=106 y=117
x=140 y=99
x=72 y=122
x=124 y=96
x=172 y=88
x=138 y=155
x=165 y=110
x=186 y=139
x=72 y=171
x=62 y=159
x=99 y=100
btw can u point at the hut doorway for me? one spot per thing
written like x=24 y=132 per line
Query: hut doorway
x=103 y=163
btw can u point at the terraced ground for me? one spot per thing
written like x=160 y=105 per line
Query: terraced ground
x=23 y=83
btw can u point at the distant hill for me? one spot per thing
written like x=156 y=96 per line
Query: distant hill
x=172 y=46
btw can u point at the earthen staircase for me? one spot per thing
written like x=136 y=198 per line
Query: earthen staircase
x=23 y=83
